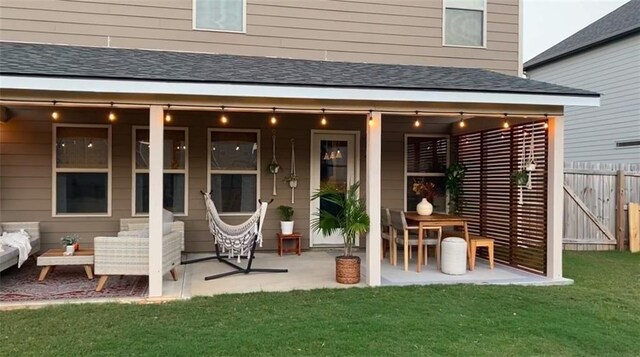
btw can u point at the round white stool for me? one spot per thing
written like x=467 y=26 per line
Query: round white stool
x=454 y=256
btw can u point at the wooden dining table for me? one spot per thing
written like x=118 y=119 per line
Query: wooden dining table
x=436 y=220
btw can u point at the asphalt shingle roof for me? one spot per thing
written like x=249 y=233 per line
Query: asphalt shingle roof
x=132 y=64
x=622 y=22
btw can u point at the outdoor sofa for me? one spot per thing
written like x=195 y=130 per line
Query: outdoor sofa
x=9 y=255
x=128 y=253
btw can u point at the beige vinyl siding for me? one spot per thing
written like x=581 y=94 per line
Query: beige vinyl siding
x=406 y=32
x=611 y=70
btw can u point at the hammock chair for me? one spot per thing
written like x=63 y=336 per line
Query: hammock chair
x=237 y=241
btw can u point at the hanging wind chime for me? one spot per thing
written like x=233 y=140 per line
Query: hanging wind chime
x=273 y=166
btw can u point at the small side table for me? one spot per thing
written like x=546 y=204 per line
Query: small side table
x=284 y=237
x=53 y=257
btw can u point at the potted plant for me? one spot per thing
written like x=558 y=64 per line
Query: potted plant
x=286 y=224
x=349 y=218
x=274 y=167
x=455 y=176
x=292 y=180
x=520 y=177
x=70 y=242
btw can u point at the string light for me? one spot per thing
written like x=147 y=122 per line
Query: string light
x=167 y=116
x=112 y=114
x=323 y=121
x=417 y=122
x=462 y=123
x=546 y=123
x=223 y=118
x=505 y=123
x=274 y=120
x=371 y=117
x=54 y=114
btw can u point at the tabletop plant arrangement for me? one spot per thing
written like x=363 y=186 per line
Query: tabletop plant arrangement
x=349 y=219
x=71 y=243
x=426 y=190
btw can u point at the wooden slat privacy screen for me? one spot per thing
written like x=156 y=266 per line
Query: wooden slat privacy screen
x=490 y=200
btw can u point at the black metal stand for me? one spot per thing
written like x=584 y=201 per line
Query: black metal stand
x=238 y=269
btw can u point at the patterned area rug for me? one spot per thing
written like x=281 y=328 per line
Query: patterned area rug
x=66 y=282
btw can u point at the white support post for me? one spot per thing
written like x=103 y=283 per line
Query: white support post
x=373 y=155
x=156 y=144
x=555 y=197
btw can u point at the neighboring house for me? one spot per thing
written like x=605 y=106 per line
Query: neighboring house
x=392 y=81
x=603 y=57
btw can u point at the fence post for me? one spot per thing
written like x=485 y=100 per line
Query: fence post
x=620 y=180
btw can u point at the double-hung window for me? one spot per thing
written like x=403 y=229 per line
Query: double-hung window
x=464 y=23
x=234 y=175
x=82 y=170
x=176 y=166
x=220 y=15
x=426 y=161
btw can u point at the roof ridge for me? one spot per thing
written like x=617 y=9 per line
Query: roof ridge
x=609 y=27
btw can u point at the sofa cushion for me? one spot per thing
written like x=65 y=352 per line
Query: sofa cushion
x=167 y=220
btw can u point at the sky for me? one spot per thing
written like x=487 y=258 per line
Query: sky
x=547 y=22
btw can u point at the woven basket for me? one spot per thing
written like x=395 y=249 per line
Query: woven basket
x=347 y=270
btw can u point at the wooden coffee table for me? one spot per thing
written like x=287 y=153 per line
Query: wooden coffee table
x=54 y=257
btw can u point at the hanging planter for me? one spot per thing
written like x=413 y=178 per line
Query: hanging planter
x=292 y=179
x=520 y=178
x=274 y=167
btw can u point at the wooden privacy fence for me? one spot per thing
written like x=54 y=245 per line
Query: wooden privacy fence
x=596 y=204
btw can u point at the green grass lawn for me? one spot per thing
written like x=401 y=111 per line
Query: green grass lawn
x=598 y=315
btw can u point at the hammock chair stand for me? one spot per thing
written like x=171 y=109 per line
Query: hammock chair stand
x=226 y=259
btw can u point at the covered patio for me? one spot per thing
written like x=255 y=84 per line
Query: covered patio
x=419 y=107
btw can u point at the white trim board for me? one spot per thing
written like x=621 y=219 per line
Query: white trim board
x=285 y=91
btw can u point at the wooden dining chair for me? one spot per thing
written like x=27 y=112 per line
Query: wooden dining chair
x=385 y=225
x=407 y=236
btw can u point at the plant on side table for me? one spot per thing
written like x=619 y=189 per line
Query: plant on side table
x=286 y=224
x=349 y=218
x=71 y=243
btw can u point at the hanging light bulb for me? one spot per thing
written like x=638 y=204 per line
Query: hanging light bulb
x=54 y=114
x=323 y=121
x=223 y=118
x=274 y=120
x=505 y=123
x=417 y=122
x=112 y=114
x=338 y=154
x=90 y=145
x=371 y=117
x=167 y=116
x=546 y=123
x=462 y=124
x=237 y=147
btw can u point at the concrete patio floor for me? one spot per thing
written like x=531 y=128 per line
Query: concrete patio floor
x=316 y=269
x=312 y=270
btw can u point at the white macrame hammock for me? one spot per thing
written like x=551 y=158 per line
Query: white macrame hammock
x=235 y=240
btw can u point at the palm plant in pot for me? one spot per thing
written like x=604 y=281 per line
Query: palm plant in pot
x=348 y=217
x=286 y=224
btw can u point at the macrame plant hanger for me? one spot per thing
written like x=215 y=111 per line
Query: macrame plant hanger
x=274 y=167
x=527 y=163
x=293 y=179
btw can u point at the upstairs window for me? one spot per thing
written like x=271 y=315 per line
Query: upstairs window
x=464 y=23
x=220 y=15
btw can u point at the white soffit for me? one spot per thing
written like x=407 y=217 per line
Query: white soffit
x=284 y=91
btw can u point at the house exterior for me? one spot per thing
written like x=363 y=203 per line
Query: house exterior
x=113 y=110
x=602 y=57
